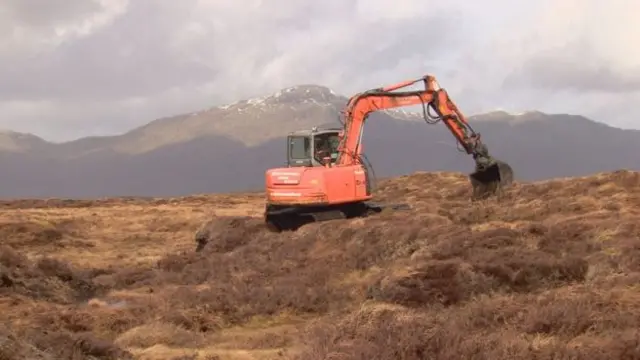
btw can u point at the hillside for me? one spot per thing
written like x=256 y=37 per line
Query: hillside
x=550 y=272
x=186 y=154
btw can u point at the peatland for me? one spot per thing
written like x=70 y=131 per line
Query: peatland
x=549 y=271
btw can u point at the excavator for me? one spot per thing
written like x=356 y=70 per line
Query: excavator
x=328 y=176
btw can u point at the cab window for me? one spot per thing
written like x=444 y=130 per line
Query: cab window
x=299 y=147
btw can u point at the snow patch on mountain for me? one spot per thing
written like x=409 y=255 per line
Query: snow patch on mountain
x=301 y=96
x=502 y=115
x=307 y=95
x=291 y=96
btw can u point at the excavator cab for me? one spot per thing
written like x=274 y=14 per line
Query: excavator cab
x=315 y=147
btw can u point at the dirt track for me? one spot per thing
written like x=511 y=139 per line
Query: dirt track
x=550 y=272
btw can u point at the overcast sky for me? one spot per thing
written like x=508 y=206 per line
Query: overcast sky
x=72 y=68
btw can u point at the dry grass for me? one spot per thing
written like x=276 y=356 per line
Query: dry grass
x=549 y=272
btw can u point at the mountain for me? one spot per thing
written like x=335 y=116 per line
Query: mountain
x=12 y=141
x=228 y=148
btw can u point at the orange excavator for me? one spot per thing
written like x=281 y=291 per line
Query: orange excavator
x=328 y=177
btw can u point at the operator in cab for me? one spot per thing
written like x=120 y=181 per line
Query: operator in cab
x=322 y=148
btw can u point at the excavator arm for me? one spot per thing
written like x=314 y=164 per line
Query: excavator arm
x=490 y=174
x=431 y=97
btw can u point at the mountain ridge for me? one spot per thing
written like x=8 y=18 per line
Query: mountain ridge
x=251 y=121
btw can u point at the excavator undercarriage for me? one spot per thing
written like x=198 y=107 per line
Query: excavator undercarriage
x=291 y=218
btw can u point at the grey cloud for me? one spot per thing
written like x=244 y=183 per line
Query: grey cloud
x=116 y=64
x=32 y=27
x=133 y=58
x=129 y=59
x=576 y=70
x=47 y=13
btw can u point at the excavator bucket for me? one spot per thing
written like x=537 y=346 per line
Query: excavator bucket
x=491 y=180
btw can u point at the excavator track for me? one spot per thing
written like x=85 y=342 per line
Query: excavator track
x=290 y=218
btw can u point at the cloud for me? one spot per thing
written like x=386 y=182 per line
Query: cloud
x=582 y=48
x=30 y=27
x=87 y=67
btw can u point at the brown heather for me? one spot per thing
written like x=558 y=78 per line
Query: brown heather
x=551 y=271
